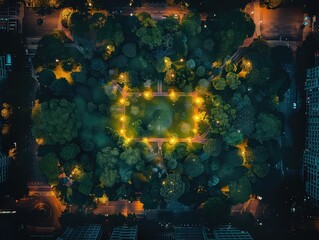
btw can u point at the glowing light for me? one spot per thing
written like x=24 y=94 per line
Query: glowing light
x=145 y=140
x=122 y=131
x=172 y=95
x=147 y=95
x=173 y=75
x=181 y=60
x=122 y=101
x=128 y=140
x=198 y=100
x=172 y=140
x=122 y=118
x=189 y=140
x=197 y=118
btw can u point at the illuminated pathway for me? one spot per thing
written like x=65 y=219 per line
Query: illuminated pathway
x=198 y=138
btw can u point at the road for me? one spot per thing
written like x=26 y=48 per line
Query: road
x=157 y=11
x=120 y=206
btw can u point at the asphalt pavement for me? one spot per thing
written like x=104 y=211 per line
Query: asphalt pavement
x=32 y=29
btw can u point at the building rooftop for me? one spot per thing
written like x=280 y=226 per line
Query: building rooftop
x=124 y=233
x=87 y=232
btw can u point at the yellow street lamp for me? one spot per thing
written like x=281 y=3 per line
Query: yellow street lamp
x=198 y=101
x=196 y=118
x=122 y=101
x=147 y=95
x=122 y=118
x=172 y=140
x=172 y=95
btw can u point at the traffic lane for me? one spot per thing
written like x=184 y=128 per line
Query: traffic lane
x=157 y=12
x=32 y=29
x=281 y=21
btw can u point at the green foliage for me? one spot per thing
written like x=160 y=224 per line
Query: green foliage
x=180 y=45
x=119 y=61
x=70 y=151
x=184 y=76
x=240 y=101
x=200 y=71
x=49 y=166
x=232 y=80
x=213 y=147
x=97 y=21
x=193 y=166
x=268 y=127
x=131 y=156
x=191 y=24
x=79 y=77
x=129 y=50
x=97 y=64
x=60 y=87
x=259 y=54
x=171 y=163
x=57 y=121
x=150 y=37
x=260 y=169
x=234 y=137
x=107 y=157
x=219 y=83
x=209 y=44
x=240 y=191
x=68 y=64
x=220 y=116
x=230 y=29
x=233 y=158
x=46 y=77
x=172 y=187
x=146 y=20
x=109 y=177
x=168 y=25
x=49 y=48
x=111 y=33
x=259 y=154
x=163 y=64
x=191 y=64
x=78 y=24
x=230 y=67
x=170 y=77
x=245 y=120
x=86 y=183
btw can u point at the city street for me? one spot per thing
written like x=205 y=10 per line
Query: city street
x=120 y=206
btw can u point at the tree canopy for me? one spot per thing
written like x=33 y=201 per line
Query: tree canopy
x=56 y=121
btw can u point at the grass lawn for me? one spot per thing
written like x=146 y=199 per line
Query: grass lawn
x=161 y=117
